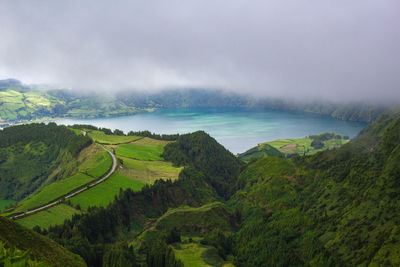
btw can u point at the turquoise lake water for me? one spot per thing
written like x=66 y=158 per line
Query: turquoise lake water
x=238 y=129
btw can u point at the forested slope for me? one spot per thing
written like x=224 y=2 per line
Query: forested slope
x=29 y=154
x=337 y=208
x=206 y=163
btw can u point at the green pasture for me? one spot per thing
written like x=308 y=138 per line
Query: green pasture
x=16 y=104
x=195 y=254
x=148 y=171
x=6 y=202
x=104 y=193
x=103 y=138
x=140 y=152
x=97 y=165
x=76 y=131
x=54 y=191
x=52 y=216
x=302 y=145
x=146 y=141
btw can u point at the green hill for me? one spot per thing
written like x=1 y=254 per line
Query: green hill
x=338 y=207
x=260 y=151
x=38 y=246
x=34 y=155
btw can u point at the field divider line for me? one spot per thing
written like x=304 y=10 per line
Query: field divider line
x=58 y=201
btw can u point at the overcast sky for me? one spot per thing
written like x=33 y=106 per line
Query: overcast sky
x=338 y=49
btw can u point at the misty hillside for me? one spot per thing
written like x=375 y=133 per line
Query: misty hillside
x=22 y=103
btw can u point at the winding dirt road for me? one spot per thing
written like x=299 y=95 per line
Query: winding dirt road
x=114 y=166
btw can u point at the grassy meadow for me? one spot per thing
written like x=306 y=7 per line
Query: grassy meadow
x=76 y=131
x=15 y=104
x=140 y=152
x=291 y=147
x=302 y=145
x=54 y=191
x=148 y=171
x=6 y=202
x=52 y=216
x=104 y=193
x=146 y=141
x=195 y=254
x=97 y=165
x=102 y=138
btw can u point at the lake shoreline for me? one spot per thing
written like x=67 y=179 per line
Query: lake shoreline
x=236 y=128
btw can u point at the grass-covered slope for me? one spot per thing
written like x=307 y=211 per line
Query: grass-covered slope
x=260 y=151
x=53 y=191
x=30 y=155
x=140 y=152
x=105 y=193
x=148 y=171
x=22 y=102
x=130 y=211
x=94 y=163
x=46 y=218
x=38 y=246
x=102 y=138
x=294 y=147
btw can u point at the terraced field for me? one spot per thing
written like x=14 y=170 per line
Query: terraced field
x=104 y=193
x=52 y=216
x=103 y=138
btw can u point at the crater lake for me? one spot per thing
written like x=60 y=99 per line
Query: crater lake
x=238 y=129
